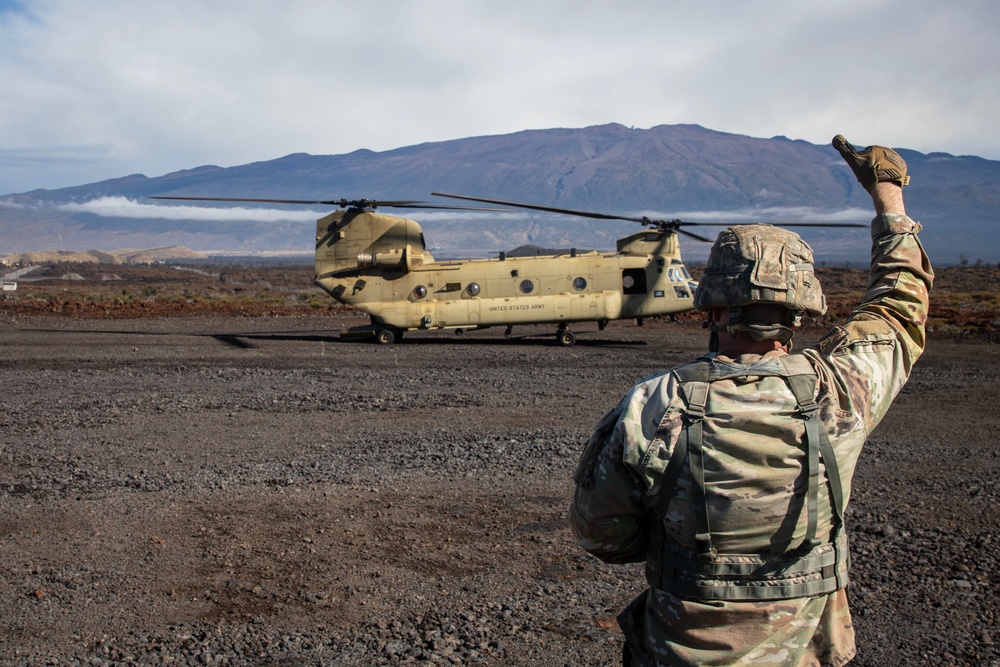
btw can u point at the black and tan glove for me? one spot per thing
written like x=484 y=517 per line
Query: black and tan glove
x=875 y=164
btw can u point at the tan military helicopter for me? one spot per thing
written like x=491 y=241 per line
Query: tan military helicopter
x=380 y=265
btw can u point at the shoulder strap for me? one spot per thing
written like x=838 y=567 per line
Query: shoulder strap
x=698 y=396
x=695 y=372
x=802 y=381
x=803 y=386
x=695 y=379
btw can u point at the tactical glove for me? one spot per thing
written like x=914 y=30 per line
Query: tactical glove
x=875 y=164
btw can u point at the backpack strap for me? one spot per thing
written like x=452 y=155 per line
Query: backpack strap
x=697 y=397
x=695 y=379
x=803 y=386
x=694 y=384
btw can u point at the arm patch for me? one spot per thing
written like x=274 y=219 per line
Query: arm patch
x=859 y=328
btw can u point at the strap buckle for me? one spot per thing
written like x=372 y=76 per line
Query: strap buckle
x=806 y=547
x=707 y=551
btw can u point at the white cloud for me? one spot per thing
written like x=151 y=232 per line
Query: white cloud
x=122 y=207
x=96 y=89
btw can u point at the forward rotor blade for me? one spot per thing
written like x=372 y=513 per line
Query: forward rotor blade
x=538 y=207
x=452 y=208
x=330 y=202
x=345 y=203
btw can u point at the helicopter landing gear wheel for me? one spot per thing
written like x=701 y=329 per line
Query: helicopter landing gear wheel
x=565 y=337
x=385 y=336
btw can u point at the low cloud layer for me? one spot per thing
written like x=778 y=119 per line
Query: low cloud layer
x=122 y=207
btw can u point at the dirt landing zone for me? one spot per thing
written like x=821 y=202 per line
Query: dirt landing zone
x=253 y=491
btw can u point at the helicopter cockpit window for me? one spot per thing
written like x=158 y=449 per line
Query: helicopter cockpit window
x=580 y=284
x=527 y=286
x=634 y=281
x=675 y=275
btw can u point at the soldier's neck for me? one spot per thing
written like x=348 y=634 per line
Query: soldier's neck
x=744 y=344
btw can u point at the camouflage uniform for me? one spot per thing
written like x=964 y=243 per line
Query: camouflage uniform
x=756 y=492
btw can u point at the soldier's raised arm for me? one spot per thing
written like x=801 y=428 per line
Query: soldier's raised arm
x=893 y=313
x=901 y=274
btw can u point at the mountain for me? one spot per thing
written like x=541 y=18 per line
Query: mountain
x=668 y=170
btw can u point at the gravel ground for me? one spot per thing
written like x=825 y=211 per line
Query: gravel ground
x=252 y=491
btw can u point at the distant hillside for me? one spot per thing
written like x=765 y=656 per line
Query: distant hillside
x=669 y=170
x=129 y=256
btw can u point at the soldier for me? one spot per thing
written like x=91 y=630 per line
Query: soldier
x=729 y=476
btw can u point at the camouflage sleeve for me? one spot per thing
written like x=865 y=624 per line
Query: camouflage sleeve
x=608 y=515
x=869 y=358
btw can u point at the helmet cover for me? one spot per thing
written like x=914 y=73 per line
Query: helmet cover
x=751 y=264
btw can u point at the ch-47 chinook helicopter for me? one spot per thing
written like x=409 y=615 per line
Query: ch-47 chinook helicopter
x=380 y=265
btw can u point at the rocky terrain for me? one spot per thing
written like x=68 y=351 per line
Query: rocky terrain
x=238 y=486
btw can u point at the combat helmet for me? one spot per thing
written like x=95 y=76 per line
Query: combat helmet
x=760 y=264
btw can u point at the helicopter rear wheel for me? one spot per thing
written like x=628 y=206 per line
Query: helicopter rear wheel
x=385 y=336
x=566 y=337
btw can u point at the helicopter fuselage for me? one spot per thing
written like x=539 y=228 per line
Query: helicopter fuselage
x=380 y=265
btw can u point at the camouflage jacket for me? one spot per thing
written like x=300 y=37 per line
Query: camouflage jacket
x=756 y=491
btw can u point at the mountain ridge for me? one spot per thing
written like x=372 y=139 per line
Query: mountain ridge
x=685 y=169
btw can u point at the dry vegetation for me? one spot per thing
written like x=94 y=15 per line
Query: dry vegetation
x=112 y=292
x=966 y=300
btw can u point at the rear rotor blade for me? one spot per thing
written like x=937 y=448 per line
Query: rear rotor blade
x=674 y=225
x=698 y=237
x=671 y=225
x=789 y=224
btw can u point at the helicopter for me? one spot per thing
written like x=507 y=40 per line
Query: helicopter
x=380 y=264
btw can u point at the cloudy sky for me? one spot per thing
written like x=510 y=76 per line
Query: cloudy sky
x=95 y=89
